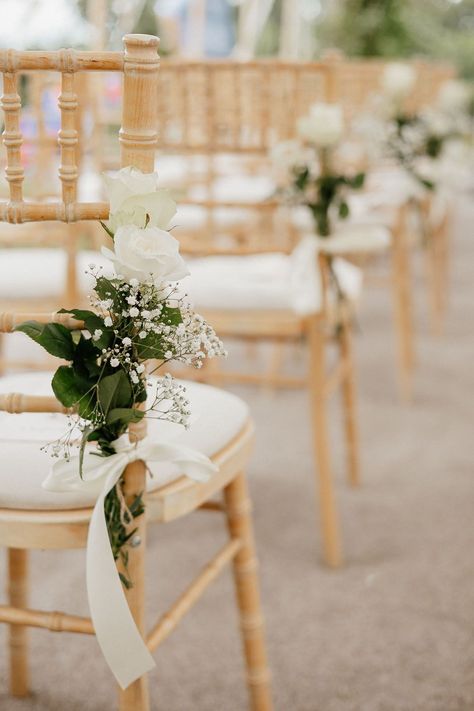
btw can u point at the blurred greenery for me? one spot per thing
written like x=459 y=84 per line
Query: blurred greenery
x=441 y=29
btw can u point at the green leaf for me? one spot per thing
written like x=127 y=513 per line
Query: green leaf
x=85 y=435
x=86 y=357
x=150 y=347
x=357 y=181
x=57 y=340
x=79 y=314
x=53 y=337
x=109 y=232
x=343 y=210
x=124 y=415
x=171 y=316
x=33 y=329
x=114 y=391
x=301 y=178
x=105 y=288
x=68 y=386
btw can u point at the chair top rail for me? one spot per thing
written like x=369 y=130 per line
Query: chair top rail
x=61 y=60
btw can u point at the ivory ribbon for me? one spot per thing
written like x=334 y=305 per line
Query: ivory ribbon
x=305 y=277
x=117 y=634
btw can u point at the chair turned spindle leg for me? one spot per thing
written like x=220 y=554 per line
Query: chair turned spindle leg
x=327 y=505
x=403 y=313
x=349 y=402
x=238 y=509
x=18 y=637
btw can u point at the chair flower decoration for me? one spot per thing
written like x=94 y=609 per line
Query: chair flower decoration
x=137 y=317
x=417 y=140
x=307 y=172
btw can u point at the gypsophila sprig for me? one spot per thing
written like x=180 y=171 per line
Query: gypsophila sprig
x=138 y=322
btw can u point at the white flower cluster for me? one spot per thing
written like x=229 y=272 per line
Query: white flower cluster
x=169 y=401
x=405 y=142
x=144 y=317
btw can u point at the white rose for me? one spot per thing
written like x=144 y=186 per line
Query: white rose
x=323 y=126
x=141 y=253
x=453 y=96
x=398 y=80
x=133 y=195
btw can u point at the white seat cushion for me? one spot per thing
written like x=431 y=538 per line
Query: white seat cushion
x=357 y=237
x=261 y=282
x=217 y=417
x=41 y=272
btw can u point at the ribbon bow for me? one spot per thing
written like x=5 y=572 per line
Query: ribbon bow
x=117 y=634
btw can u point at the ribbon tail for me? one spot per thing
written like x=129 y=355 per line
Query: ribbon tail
x=117 y=634
x=305 y=279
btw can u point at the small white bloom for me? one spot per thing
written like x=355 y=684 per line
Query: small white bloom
x=131 y=300
x=134 y=377
x=114 y=362
x=142 y=334
x=108 y=321
x=87 y=335
x=139 y=367
x=97 y=334
x=134 y=283
x=134 y=312
x=127 y=341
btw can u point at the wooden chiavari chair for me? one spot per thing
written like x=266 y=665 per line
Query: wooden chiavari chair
x=29 y=517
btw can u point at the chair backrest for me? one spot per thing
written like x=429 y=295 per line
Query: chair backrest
x=239 y=107
x=353 y=82
x=138 y=134
x=138 y=138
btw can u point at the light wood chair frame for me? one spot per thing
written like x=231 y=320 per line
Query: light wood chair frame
x=24 y=530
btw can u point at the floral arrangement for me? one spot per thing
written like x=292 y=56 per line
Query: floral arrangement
x=306 y=170
x=415 y=140
x=138 y=316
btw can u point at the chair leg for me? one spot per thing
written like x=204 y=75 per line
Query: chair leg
x=327 y=505
x=349 y=399
x=434 y=279
x=403 y=313
x=270 y=380
x=18 y=637
x=238 y=509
